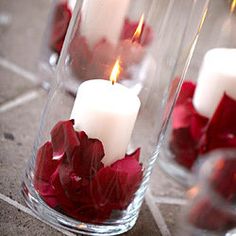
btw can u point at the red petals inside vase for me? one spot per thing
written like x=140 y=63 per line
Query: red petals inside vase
x=94 y=61
x=213 y=207
x=193 y=134
x=71 y=177
x=60 y=22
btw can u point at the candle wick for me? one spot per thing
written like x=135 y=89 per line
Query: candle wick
x=112 y=82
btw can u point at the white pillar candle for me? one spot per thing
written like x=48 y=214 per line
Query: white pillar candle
x=217 y=76
x=107 y=112
x=71 y=4
x=103 y=19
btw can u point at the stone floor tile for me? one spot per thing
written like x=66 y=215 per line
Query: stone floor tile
x=12 y=85
x=162 y=185
x=18 y=128
x=171 y=214
x=15 y=222
x=22 y=32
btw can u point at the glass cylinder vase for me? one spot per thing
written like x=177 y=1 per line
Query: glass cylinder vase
x=212 y=200
x=58 y=20
x=100 y=128
x=201 y=119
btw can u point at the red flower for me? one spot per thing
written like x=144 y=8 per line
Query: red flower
x=77 y=183
x=60 y=22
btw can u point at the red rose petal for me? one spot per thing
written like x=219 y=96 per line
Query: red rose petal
x=105 y=188
x=130 y=53
x=80 y=56
x=204 y=215
x=185 y=116
x=47 y=192
x=63 y=201
x=74 y=187
x=115 y=185
x=64 y=139
x=86 y=159
x=186 y=92
x=60 y=22
x=221 y=131
x=130 y=176
x=188 y=128
x=45 y=165
x=135 y=154
x=182 y=115
x=223 y=179
x=104 y=55
x=184 y=147
x=91 y=214
x=198 y=126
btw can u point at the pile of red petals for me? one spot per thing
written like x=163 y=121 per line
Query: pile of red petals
x=205 y=215
x=223 y=179
x=71 y=178
x=96 y=62
x=209 y=214
x=193 y=134
x=89 y=64
x=59 y=24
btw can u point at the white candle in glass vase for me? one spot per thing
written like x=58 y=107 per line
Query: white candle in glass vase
x=108 y=112
x=216 y=77
x=103 y=19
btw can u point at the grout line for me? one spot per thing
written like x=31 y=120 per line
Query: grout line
x=23 y=98
x=29 y=212
x=18 y=70
x=169 y=200
x=157 y=215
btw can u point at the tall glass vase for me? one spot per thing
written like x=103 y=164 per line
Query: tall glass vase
x=210 y=210
x=94 y=153
x=200 y=121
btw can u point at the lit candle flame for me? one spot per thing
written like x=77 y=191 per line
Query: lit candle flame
x=233 y=6
x=115 y=71
x=139 y=30
x=192 y=192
